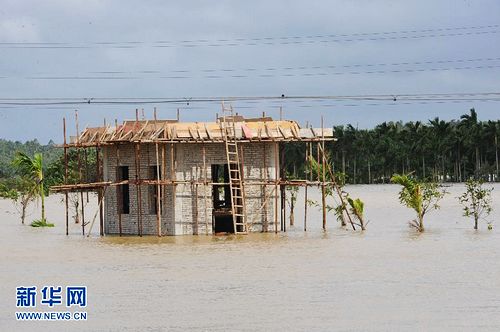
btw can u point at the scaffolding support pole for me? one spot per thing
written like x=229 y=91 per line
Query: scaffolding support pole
x=119 y=207
x=66 y=176
x=276 y=170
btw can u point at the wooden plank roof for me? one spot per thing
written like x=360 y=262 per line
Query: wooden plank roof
x=261 y=129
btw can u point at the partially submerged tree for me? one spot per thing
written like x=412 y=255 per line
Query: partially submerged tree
x=21 y=191
x=291 y=199
x=419 y=196
x=476 y=201
x=357 y=209
x=31 y=169
x=335 y=190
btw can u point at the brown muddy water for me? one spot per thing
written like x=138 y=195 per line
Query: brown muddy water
x=388 y=278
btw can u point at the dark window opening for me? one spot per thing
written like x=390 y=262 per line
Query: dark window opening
x=123 y=198
x=153 y=191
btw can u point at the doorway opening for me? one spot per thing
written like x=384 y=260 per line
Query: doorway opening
x=221 y=200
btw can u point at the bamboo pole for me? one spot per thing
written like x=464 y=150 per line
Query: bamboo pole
x=158 y=187
x=276 y=166
x=265 y=226
x=251 y=182
x=99 y=205
x=119 y=189
x=172 y=178
x=139 y=187
x=283 y=189
x=66 y=176
x=205 y=188
x=80 y=172
x=323 y=187
x=305 y=189
x=195 y=231
x=86 y=168
x=163 y=177
x=100 y=193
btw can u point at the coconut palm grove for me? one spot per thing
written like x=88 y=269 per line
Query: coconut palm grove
x=437 y=150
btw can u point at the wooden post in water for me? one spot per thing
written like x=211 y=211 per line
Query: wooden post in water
x=305 y=190
x=172 y=178
x=158 y=187
x=323 y=186
x=119 y=189
x=66 y=175
x=265 y=226
x=138 y=188
x=196 y=231
x=205 y=188
x=80 y=171
x=276 y=166
x=99 y=192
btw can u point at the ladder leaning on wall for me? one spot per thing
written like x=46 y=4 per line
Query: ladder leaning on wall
x=234 y=170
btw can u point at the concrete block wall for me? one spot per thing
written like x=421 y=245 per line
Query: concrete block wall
x=192 y=213
x=130 y=221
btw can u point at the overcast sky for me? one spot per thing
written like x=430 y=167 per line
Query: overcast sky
x=121 y=48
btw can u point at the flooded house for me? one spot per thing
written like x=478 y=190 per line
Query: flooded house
x=166 y=177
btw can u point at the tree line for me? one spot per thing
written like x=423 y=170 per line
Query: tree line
x=437 y=150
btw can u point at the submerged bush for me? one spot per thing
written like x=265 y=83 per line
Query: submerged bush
x=419 y=196
x=41 y=223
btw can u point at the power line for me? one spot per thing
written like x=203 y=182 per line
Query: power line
x=467 y=96
x=274 y=69
x=311 y=74
x=269 y=40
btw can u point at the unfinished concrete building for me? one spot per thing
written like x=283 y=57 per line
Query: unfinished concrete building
x=165 y=177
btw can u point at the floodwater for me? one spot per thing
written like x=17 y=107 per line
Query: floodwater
x=388 y=278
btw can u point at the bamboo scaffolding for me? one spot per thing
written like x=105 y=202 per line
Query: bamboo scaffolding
x=305 y=189
x=66 y=177
x=119 y=208
x=80 y=174
x=276 y=169
x=95 y=215
x=250 y=182
x=205 y=188
x=158 y=186
x=323 y=187
x=100 y=193
x=265 y=227
x=166 y=135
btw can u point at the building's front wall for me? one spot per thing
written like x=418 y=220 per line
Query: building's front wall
x=188 y=208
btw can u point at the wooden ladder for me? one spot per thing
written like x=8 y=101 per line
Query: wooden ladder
x=234 y=170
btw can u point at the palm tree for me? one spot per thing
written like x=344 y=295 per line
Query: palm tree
x=472 y=128
x=32 y=170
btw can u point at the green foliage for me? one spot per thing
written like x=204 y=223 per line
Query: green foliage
x=357 y=209
x=357 y=205
x=31 y=171
x=476 y=201
x=7 y=190
x=41 y=223
x=419 y=196
x=8 y=150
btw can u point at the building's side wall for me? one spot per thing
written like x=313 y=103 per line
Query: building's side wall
x=130 y=222
x=184 y=212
